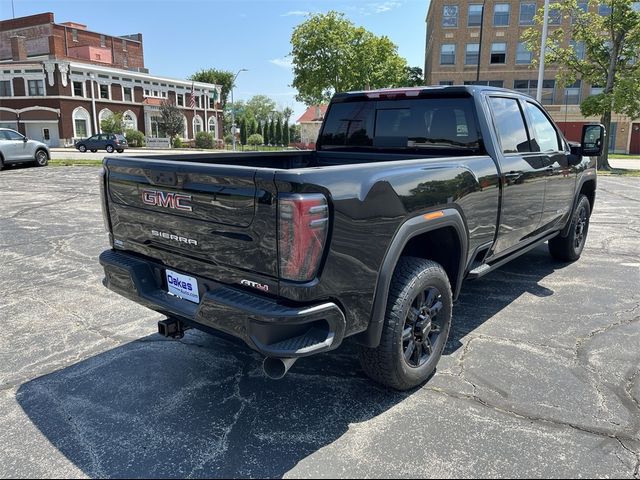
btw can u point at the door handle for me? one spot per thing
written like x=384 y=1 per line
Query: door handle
x=513 y=176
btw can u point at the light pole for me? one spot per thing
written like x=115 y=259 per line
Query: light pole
x=484 y=4
x=543 y=49
x=233 y=116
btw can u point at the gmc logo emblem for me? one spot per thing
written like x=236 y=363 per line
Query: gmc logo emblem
x=172 y=200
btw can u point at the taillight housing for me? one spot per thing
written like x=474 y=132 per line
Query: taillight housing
x=303 y=223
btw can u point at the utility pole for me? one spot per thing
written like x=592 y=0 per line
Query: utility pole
x=233 y=116
x=484 y=4
x=543 y=50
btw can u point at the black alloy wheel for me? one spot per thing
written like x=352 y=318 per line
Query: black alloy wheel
x=422 y=327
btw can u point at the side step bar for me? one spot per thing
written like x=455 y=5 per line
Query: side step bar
x=485 y=268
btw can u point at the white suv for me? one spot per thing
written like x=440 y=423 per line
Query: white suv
x=16 y=148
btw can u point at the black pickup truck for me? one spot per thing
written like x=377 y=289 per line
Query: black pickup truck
x=408 y=193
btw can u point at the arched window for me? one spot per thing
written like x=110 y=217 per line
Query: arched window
x=197 y=125
x=104 y=114
x=213 y=127
x=81 y=123
x=130 y=120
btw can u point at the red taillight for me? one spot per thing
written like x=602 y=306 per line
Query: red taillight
x=303 y=225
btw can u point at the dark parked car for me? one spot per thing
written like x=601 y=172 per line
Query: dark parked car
x=408 y=193
x=103 y=141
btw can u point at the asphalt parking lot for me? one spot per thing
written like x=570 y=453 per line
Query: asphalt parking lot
x=541 y=377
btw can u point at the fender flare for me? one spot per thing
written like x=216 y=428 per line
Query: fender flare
x=585 y=178
x=409 y=229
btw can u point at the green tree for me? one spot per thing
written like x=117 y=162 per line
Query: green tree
x=265 y=133
x=279 y=139
x=112 y=124
x=261 y=107
x=255 y=140
x=243 y=131
x=294 y=133
x=286 y=136
x=413 y=77
x=224 y=78
x=171 y=121
x=330 y=54
x=272 y=132
x=253 y=127
x=610 y=60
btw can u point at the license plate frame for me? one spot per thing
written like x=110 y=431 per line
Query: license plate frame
x=182 y=286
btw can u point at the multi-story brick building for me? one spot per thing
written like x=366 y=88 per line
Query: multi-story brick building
x=465 y=46
x=58 y=81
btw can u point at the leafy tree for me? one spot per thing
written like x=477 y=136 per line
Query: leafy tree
x=171 y=121
x=261 y=107
x=255 y=140
x=112 y=124
x=243 y=131
x=272 y=132
x=224 y=78
x=134 y=138
x=265 y=133
x=413 y=77
x=279 y=139
x=330 y=54
x=286 y=136
x=295 y=134
x=253 y=127
x=611 y=45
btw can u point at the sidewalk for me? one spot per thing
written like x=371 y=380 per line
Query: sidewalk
x=631 y=163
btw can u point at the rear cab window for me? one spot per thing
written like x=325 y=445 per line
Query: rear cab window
x=430 y=126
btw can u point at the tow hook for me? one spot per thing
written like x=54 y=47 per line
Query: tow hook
x=172 y=328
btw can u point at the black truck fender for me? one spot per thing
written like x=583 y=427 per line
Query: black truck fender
x=412 y=227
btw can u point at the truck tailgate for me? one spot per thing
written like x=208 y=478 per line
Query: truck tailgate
x=218 y=221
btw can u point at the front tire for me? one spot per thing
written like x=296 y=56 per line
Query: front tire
x=109 y=149
x=82 y=148
x=569 y=248
x=416 y=326
x=42 y=159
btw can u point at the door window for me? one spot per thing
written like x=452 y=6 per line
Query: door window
x=46 y=134
x=510 y=125
x=545 y=137
x=11 y=135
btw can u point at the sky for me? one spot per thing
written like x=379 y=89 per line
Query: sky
x=184 y=36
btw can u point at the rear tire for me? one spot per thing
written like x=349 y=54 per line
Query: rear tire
x=93 y=150
x=42 y=159
x=416 y=326
x=569 y=248
x=120 y=150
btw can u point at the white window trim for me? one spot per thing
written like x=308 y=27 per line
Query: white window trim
x=84 y=88
x=86 y=117
x=213 y=120
x=10 y=86
x=134 y=118
x=133 y=97
x=108 y=91
x=193 y=125
x=26 y=87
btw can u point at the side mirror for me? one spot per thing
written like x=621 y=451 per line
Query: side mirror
x=592 y=141
x=25 y=139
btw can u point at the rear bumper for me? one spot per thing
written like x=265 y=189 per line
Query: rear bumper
x=268 y=326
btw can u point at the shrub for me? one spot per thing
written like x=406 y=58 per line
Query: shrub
x=177 y=143
x=135 y=138
x=255 y=140
x=204 y=140
x=228 y=139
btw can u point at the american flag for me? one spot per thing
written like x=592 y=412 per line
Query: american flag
x=192 y=102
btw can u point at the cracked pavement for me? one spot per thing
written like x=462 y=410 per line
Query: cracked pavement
x=541 y=376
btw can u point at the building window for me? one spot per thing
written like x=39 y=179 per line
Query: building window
x=486 y=83
x=197 y=125
x=180 y=99
x=127 y=94
x=474 y=17
x=578 y=48
x=527 y=13
x=596 y=90
x=124 y=45
x=103 y=41
x=450 y=16
x=498 y=53
x=501 y=14
x=74 y=35
x=572 y=93
x=471 y=53
x=36 y=88
x=447 y=54
x=213 y=126
x=555 y=16
x=583 y=7
x=102 y=116
x=104 y=92
x=125 y=62
x=523 y=54
x=5 y=88
x=129 y=120
x=529 y=87
x=78 y=89
x=81 y=123
x=446 y=82
x=604 y=10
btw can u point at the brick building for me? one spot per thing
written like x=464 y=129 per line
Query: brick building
x=456 y=44
x=58 y=81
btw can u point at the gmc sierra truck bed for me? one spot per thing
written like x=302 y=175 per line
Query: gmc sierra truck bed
x=370 y=236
